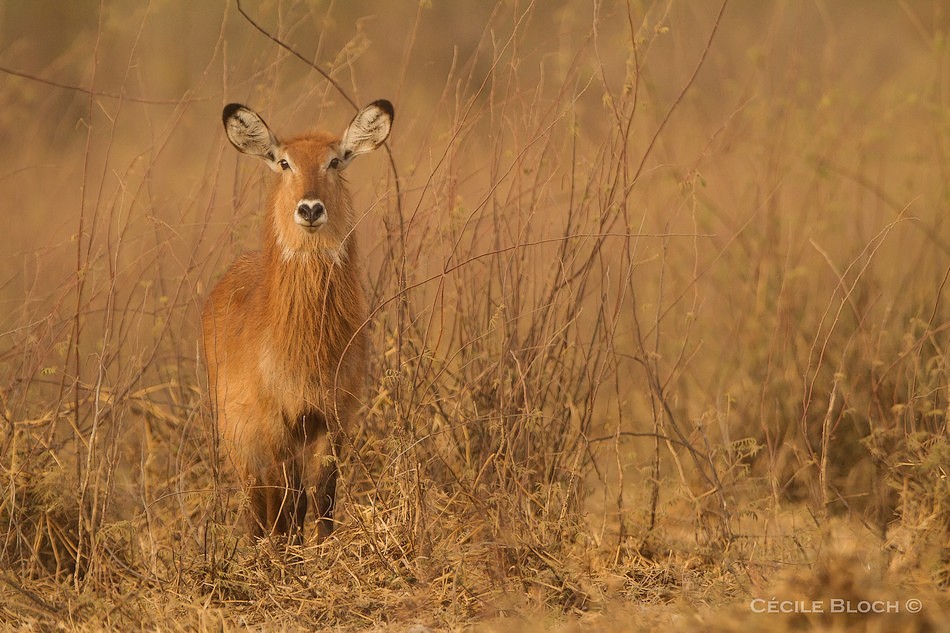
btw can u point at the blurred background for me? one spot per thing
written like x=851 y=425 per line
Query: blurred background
x=645 y=277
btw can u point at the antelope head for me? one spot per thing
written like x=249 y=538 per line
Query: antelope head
x=309 y=209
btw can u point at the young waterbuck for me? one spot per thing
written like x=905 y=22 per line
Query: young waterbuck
x=282 y=329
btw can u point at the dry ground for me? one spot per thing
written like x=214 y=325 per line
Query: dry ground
x=660 y=314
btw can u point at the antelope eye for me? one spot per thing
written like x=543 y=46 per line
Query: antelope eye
x=334 y=163
x=283 y=164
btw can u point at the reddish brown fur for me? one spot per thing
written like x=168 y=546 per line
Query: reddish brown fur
x=284 y=347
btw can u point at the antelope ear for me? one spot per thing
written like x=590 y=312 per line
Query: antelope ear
x=248 y=133
x=368 y=130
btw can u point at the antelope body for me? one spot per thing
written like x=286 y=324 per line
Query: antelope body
x=282 y=329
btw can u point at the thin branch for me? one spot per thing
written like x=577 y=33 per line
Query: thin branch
x=293 y=52
x=336 y=86
x=679 y=97
x=93 y=93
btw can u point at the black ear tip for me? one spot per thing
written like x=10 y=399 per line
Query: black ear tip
x=385 y=106
x=229 y=111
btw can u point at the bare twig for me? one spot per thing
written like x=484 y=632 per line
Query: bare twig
x=98 y=93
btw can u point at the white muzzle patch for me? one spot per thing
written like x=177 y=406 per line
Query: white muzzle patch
x=310 y=214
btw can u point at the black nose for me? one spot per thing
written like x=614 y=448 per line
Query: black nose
x=310 y=213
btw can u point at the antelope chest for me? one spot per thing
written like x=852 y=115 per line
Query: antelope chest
x=294 y=385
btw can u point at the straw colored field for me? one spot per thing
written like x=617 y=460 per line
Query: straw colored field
x=659 y=327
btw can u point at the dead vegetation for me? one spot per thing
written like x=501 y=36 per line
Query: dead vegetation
x=659 y=316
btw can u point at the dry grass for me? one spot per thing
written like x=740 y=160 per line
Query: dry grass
x=659 y=324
